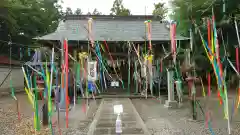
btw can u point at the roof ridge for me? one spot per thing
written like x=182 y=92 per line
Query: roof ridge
x=112 y=17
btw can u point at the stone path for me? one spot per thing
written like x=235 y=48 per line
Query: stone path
x=105 y=119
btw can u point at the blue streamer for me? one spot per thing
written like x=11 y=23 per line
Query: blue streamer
x=218 y=74
x=209 y=50
x=215 y=65
x=57 y=88
x=101 y=63
x=210 y=128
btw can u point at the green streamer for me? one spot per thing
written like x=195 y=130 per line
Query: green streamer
x=78 y=78
x=129 y=74
x=12 y=89
x=36 y=102
x=136 y=79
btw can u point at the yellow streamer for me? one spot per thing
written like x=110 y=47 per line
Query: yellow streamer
x=35 y=121
x=29 y=96
x=203 y=89
x=25 y=77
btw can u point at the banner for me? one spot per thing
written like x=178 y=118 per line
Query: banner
x=92 y=71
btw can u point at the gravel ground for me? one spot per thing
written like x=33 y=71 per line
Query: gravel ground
x=163 y=121
x=10 y=125
x=159 y=120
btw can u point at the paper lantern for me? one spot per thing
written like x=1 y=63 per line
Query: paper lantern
x=144 y=68
x=92 y=70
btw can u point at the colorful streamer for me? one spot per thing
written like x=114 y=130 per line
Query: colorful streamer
x=66 y=79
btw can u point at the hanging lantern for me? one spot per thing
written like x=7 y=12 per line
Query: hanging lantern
x=144 y=67
x=92 y=70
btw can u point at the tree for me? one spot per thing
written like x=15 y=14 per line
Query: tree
x=185 y=12
x=78 y=11
x=96 y=12
x=88 y=13
x=159 y=10
x=118 y=9
x=69 y=11
x=22 y=20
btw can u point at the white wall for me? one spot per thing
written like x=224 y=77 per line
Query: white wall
x=16 y=76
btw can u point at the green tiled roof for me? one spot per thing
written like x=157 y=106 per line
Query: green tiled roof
x=109 y=28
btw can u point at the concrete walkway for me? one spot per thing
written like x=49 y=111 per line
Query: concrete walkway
x=105 y=119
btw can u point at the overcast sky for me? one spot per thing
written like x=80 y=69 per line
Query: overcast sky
x=137 y=7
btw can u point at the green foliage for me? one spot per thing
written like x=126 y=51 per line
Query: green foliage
x=77 y=12
x=119 y=10
x=96 y=12
x=198 y=10
x=23 y=20
x=30 y=18
x=160 y=10
x=69 y=11
x=187 y=11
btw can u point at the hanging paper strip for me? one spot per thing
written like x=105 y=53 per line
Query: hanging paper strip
x=161 y=66
x=20 y=50
x=90 y=31
x=237 y=59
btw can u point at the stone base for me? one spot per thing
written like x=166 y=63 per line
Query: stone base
x=162 y=99
x=171 y=104
x=64 y=109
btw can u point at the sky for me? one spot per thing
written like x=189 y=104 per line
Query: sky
x=137 y=7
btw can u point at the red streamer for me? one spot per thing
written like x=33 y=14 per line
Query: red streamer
x=108 y=51
x=173 y=36
x=219 y=97
x=149 y=35
x=237 y=59
x=66 y=72
x=209 y=33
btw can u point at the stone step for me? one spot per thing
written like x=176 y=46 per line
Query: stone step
x=112 y=131
x=112 y=109
x=115 y=115
x=114 y=118
x=112 y=124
